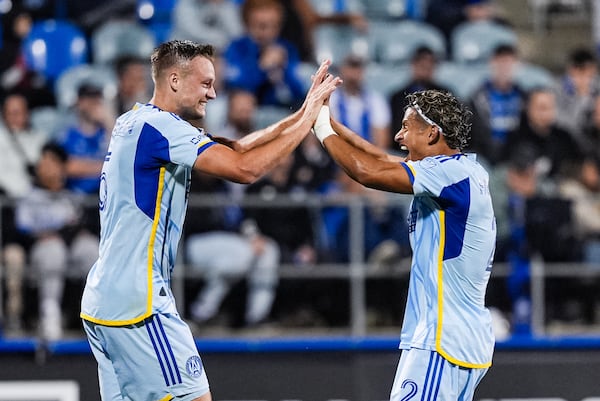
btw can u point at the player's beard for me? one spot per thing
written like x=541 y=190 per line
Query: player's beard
x=192 y=113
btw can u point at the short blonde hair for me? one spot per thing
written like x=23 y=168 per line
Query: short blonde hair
x=177 y=52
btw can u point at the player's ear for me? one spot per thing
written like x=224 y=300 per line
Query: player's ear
x=174 y=81
x=434 y=134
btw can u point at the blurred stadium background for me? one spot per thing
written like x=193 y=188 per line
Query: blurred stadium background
x=348 y=350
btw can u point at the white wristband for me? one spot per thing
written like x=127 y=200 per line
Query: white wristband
x=322 y=127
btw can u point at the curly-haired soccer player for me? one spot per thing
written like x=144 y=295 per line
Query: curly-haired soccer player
x=447 y=341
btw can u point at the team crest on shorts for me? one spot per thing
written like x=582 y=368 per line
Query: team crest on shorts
x=194 y=366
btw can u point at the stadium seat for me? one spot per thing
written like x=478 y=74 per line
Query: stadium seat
x=395 y=42
x=329 y=7
x=462 y=80
x=391 y=9
x=48 y=119
x=530 y=76
x=156 y=15
x=305 y=70
x=69 y=81
x=267 y=115
x=116 y=38
x=334 y=42
x=474 y=42
x=387 y=79
x=53 y=46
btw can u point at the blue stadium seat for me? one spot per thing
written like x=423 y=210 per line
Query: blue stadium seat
x=116 y=38
x=69 y=81
x=474 y=42
x=156 y=15
x=395 y=42
x=53 y=46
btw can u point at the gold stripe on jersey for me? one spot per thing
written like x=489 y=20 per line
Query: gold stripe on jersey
x=440 y=302
x=150 y=262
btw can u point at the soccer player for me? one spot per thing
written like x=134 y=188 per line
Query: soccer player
x=446 y=341
x=144 y=350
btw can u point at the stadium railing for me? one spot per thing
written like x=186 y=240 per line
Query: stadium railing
x=358 y=271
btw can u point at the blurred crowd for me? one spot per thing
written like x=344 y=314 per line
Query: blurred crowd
x=538 y=135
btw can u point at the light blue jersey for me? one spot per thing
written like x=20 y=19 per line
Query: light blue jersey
x=453 y=235
x=143 y=199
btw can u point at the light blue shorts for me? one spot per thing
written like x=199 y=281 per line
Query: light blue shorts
x=425 y=375
x=155 y=360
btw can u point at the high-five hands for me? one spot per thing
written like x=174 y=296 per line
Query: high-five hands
x=323 y=84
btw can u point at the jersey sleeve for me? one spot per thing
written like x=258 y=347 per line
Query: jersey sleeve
x=183 y=141
x=429 y=176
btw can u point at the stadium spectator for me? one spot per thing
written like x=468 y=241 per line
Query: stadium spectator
x=292 y=227
x=521 y=182
x=261 y=61
x=313 y=168
x=591 y=132
x=86 y=140
x=221 y=247
x=361 y=108
x=579 y=182
x=225 y=258
x=497 y=105
x=538 y=130
x=133 y=78
x=15 y=76
x=576 y=91
x=20 y=146
x=382 y=224
x=50 y=216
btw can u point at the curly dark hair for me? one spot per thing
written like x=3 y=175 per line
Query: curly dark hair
x=446 y=111
x=174 y=52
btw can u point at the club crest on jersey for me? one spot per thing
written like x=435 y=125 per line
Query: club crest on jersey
x=194 y=366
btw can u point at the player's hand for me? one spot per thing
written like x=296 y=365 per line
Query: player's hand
x=322 y=87
x=318 y=77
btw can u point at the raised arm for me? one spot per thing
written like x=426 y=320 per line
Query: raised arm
x=361 y=143
x=261 y=136
x=267 y=134
x=248 y=160
x=361 y=160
